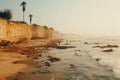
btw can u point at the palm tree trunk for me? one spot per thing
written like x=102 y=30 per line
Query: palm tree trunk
x=30 y=20
x=23 y=17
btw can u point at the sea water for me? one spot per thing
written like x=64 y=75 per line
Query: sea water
x=83 y=62
x=110 y=60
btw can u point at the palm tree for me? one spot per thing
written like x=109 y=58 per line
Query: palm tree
x=30 y=18
x=23 y=4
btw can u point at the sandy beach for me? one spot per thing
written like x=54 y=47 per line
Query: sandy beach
x=51 y=63
x=6 y=64
x=17 y=57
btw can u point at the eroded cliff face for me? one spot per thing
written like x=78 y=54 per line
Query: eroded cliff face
x=19 y=31
x=41 y=32
x=14 y=31
x=3 y=29
x=50 y=33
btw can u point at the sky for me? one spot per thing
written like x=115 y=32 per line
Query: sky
x=91 y=17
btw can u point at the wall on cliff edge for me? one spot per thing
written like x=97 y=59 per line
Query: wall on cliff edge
x=41 y=32
x=14 y=31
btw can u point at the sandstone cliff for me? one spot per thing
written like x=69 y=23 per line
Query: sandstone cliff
x=14 y=31
x=41 y=32
x=3 y=29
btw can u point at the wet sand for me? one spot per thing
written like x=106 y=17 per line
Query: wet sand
x=19 y=57
x=41 y=60
x=69 y=64
x=6 y=64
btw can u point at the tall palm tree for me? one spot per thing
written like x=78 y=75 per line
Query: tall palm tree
x=23 y=4
x=30 y=18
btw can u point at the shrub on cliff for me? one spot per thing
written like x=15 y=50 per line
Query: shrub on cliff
x=51 y=28
x=35 y=25
x=45 y=27
x=7 y=14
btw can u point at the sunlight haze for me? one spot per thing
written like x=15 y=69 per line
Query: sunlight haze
x=94 y=17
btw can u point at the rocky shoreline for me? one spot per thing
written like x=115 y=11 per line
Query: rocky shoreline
x=44 y=59
x=23 y=56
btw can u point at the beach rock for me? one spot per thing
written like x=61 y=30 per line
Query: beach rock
x=76 y=54
x=64 y=47
x=97 y=59
x=53 y=59
x=77 y=50
x=39 y=55
x=47 y=64
x=35 y=56
x=72 y=66
x=85 y=42
x=112 y=46
x=96 y=43
x=106 y=46
x=34 y=72
x=108 y=50
x=4 y=43
x=67 y=44
x=15 y=62
x=40 y=65
x=21 y=73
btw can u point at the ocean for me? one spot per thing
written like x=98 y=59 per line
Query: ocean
x=92 y=46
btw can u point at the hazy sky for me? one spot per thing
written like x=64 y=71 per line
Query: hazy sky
x=99 y=17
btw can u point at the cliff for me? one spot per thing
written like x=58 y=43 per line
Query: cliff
x=41 y=32
x=19 y=31
x=3 y=29
x=14 y=31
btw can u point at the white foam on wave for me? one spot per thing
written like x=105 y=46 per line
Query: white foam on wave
x=111 y=60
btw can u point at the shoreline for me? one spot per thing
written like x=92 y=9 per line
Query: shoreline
x=17 y=57
x=47 y=60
